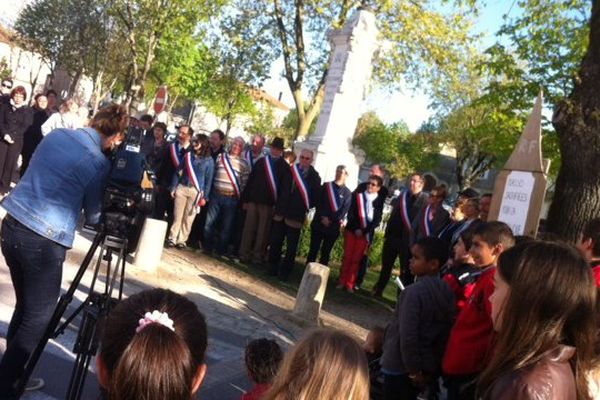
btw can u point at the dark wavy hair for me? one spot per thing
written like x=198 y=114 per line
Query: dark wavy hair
x=262 y=358
x=110 y=120
x=156 y=363
x=551 y=301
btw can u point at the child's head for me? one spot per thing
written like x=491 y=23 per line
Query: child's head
x=462 y=246
x=490 y=239
x=326 y=364
x=144 y=356
x=544 y=296
x=589 y=242
x=262 y=357
x=374 y=341
x=428 y=256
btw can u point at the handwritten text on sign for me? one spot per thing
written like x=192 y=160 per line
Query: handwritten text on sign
x=516 y=199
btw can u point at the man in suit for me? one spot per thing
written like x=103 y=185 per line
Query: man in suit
x=262 y=191
x=300 y=193
x=432 y=218
x=405 y=209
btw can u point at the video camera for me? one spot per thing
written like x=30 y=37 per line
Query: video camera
x=129 y=196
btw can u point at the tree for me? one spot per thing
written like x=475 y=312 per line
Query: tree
x=423 y=43
x=577 y=123
x=146 y=23
x=394 y=146
x=239 y=57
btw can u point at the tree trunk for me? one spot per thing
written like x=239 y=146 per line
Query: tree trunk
x=577 y=123
x=75 y=82
x=306 y=118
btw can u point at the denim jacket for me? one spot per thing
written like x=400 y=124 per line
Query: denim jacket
x=205 y=170
x=68 y=172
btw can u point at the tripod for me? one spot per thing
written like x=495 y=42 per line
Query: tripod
x=95 y=307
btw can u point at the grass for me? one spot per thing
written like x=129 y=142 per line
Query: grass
x=362 y=295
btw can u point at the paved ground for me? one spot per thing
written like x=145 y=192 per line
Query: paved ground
x=237 y=307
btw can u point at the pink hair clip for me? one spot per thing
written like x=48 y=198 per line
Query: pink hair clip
x=155 y=317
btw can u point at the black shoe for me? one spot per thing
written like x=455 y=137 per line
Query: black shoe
x=180 y=246
x=170 y=244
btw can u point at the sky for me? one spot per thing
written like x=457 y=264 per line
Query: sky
x=407 y=105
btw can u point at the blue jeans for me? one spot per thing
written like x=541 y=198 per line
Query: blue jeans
x=220 y=209
x=35 y=265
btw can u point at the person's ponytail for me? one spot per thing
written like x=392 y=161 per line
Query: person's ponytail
x=157 y=364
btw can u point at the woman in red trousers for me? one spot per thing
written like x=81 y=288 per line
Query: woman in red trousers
x=363 y=217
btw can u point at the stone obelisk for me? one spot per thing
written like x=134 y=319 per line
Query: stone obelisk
x=350 y=67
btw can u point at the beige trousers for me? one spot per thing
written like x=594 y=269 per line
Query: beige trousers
x=256 y=231
x=184 y=213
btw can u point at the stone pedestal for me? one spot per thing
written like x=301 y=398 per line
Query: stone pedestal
x=350 y=67
x=150 y=246
x=311 y=292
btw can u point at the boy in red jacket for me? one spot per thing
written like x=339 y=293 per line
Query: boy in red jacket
x=589 y=245
x=262 y=357
x=471 y=336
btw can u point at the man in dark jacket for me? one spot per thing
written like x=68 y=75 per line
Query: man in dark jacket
x=397 y=233
x=173 y=155
x=263 y=189
x=331 y=209
x=432 y=218
x=300 y=191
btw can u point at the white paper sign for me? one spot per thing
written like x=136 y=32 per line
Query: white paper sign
x=515 y=200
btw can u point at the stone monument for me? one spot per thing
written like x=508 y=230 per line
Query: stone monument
x=520 y=187
x=350 y=67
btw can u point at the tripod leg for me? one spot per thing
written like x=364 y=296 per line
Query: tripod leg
x=60 y=309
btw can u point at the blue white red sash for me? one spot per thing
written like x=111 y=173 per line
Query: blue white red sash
x=188 y=163
x=403 y=204
x=231 y=174
x=301 y=184
x=271 y=178
x=174 y=152
x=363 y=214
x=333 y=196
x=427 y=223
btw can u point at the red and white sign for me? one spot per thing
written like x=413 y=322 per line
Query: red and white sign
x=160 y=101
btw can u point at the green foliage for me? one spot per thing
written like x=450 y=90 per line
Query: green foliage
x=5 y=71
x=394 y=146
x=337 y=253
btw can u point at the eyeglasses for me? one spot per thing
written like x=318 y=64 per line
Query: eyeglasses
x=305 y=158
x=373 y=184
x=4 y=85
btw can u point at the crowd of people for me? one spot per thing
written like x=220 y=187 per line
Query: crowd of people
x=22 y=127
x=481 y=314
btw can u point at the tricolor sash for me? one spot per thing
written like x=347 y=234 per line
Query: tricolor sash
x=363 y=214
x=271 y=178
x=403 y=204
x=333 y=196
x=174 y=152
x=301 y=184
x=188 y=164
x=231 y=174
x=427 y=223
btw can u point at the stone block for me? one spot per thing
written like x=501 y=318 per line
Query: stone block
x=311 y=292
x=150 y=246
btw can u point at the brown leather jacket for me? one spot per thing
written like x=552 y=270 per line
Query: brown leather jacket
x=550 y=378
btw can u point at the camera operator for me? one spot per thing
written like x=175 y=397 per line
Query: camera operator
x=68 y=172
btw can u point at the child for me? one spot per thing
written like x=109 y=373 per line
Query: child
x=471 y=335
x=589 y=245
x=326 y=365
x=415 y=339
x=153 y=346
x=462 y=274
x=262 y=357
x=546 y=327
x=373 y=347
